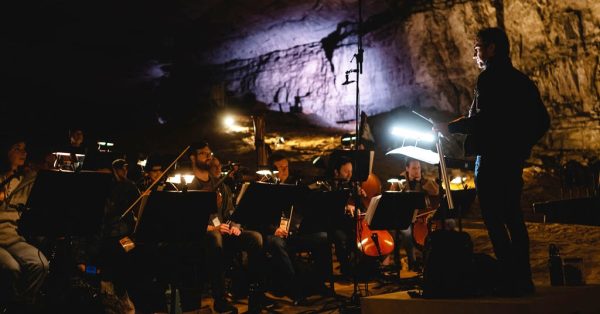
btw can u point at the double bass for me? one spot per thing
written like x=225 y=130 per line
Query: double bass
x=375 y=243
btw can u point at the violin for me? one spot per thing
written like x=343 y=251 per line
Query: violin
x=375 y=243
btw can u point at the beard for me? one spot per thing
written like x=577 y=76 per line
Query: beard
x=203 y=165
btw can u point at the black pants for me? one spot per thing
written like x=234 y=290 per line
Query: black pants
x=499 y=185
x=281 y=249
x=249 y=241
x=155 y=266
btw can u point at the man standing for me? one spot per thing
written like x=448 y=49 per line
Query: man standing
x=506 y=119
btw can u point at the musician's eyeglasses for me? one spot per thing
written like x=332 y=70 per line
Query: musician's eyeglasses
x=207 y=154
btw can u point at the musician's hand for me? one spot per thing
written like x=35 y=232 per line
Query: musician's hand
x=280 y=232
x=235 y=231
x=350 y=210
x=441 y=127
x=224 y=229
x=362 y=192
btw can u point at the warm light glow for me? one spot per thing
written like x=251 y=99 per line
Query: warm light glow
x=418 y=153
x=230 y=125
x=176 y=179
x=188 y=178
x=412 y=134
x=264 y=172
x=68 y=154
x=458 y=180
x=229 y=121
x=396 y=180
x=142 y=163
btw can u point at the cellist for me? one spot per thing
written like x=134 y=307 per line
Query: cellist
x=415 y=182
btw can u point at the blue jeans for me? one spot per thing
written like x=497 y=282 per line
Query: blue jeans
x=26 y=268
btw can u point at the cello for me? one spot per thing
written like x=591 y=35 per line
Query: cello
x=375 y=243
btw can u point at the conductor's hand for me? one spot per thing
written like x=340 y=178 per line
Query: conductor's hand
x=280 y=232
x=235 y=231
x=224 y=229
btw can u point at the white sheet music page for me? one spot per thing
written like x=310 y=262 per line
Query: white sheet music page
x=372 y=207
x=242 y=191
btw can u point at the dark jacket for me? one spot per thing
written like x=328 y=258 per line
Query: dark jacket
x=507 y=116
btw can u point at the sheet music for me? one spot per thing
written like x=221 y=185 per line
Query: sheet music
x=372 y=207
x=242 y=191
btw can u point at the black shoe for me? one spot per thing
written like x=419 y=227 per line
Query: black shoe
x=223 y=306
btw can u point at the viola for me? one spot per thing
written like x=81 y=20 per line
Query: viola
x=376 y=243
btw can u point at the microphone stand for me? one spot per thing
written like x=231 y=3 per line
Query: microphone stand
x=356 y=295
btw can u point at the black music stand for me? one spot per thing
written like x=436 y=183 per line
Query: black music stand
x=67 y=203
x=262 y=203
x=463 y=199
x=323 y=210
x=395 y=210
x=175 y=218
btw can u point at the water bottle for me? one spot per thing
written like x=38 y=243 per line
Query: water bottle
x=555 y=264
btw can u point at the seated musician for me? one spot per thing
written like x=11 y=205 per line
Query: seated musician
x=283 y=246
x=23 y=267
x=343 y=235
x=414 y=182
x=224 y=234
x=103 y=250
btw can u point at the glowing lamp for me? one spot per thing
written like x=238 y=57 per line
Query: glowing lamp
x=418 y=153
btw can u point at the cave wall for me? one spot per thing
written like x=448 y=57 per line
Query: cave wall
x=417 y=54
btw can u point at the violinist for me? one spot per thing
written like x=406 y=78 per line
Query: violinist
x=414 y=182
x=223 y=234
x=283 y=247
x=23 y=267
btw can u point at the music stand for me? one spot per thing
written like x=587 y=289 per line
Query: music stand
x=175 y=218
x=262 y=203
x=394 y=210
x=323 y=210
x=67 y=203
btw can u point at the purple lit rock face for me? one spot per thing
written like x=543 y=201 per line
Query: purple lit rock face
x=416 y=55
x=168 y=58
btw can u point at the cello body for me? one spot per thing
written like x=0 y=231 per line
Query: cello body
x=375 y=243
